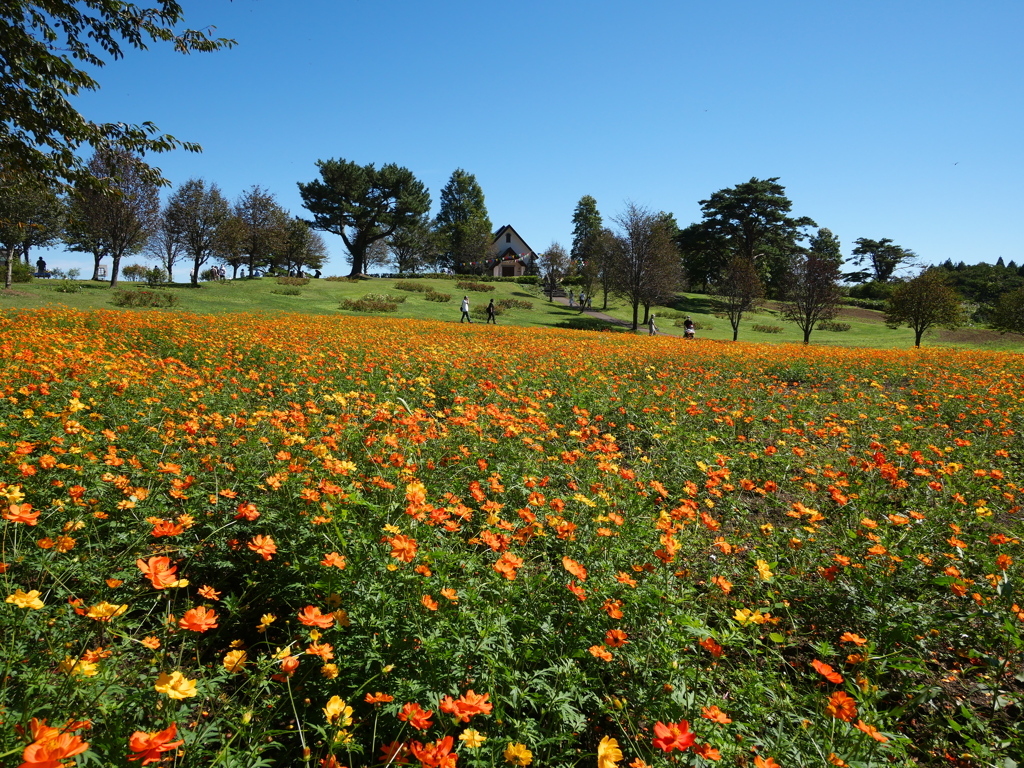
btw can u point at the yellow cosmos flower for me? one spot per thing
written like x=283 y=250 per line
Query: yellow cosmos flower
x=234 y=661
x=608 y=753
x=518 y=754
x=338 y=712
x=763 y=570
x=106 y=611
x=24 y=599
x=473 y=739
x=175 y=685
x=72 y=666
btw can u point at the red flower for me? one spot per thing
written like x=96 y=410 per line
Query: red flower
x=416 y=716
x=149 y=746
x=198 y=619
x=436 y=754
x=826 y=671
x=673 y=736
x=312 y=616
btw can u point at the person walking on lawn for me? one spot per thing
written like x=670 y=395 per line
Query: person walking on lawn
x=465 y=311
x=491 y=314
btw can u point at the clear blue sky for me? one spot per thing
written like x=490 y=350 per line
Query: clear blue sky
x=894 y=118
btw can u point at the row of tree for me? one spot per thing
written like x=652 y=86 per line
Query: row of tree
x=123 y=216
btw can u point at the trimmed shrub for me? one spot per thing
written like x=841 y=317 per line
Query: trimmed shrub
x=287 y=291
x=369 y=304
x=137 y=297
x=469 y=285
x=830 y=325
x=439 y=297
x=408 y=285
x=292 y=281
x=514 y=304
x=766 y=328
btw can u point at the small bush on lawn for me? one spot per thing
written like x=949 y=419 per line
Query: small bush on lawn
x=369 y=304
x=140 y=298
x=287 y=291
x=292 y=281
x=469 y=285
x=413 y=287
x=514 y=304
x=339 y=279
x=438 y=297
x=829 y=325
x=766 y=328
x=67 y=286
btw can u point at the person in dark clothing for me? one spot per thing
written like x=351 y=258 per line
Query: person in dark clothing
x=491 y=314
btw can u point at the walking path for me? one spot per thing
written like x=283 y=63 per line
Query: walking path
x=641 y=329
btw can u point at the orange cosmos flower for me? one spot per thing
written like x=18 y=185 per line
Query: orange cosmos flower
x=615 y=638
x=198 y=619
x=624 y=578
x=209 y=592
x=436 y=754
x=577 y=590
x=159 y=571
x=507 y=565
x=263 y=545
x=402 y=547
x=871 y=731
x=826 y=671
x=849 y=637
x=429 y=603
x=247 y=511
x=378 y=698
x=716 y=715
x=673 y=736
x=450 y=594
x=841 y=706
x=613 y=608
x=600 y=652
x=574 y=568
x=50 y=745
x=312 y=616
x=148 y=747
x=21 y=513
x=468 y=705
x=723 y=584
x=335 y=560
x=416 y=716
x=709 y=645
x=762 y=762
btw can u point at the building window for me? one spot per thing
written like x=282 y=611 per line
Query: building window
x=508 y=237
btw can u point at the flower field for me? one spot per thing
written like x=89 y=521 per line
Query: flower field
x=283 y=541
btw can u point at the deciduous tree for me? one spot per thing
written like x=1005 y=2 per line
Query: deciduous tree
x=463 y=225
x=813 y=295
x=737 y=291
x=31 y=214
x=118 y=217
x=302 y=249
x=49 y=54
x=413 y=246
x=263 y=225
x=363 y=204
x=199 y=212
x=165 y=244
x=646 y=268
x=924 y=303
x=1008 y=312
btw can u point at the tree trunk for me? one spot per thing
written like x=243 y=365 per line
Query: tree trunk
x=917 y=337
x=115 y=266
x=636 y=314
x=10 y=268
x=96 y=259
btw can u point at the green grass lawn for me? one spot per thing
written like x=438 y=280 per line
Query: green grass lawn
x=324 y=297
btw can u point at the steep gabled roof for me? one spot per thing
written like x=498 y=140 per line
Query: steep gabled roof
x=510 y=228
